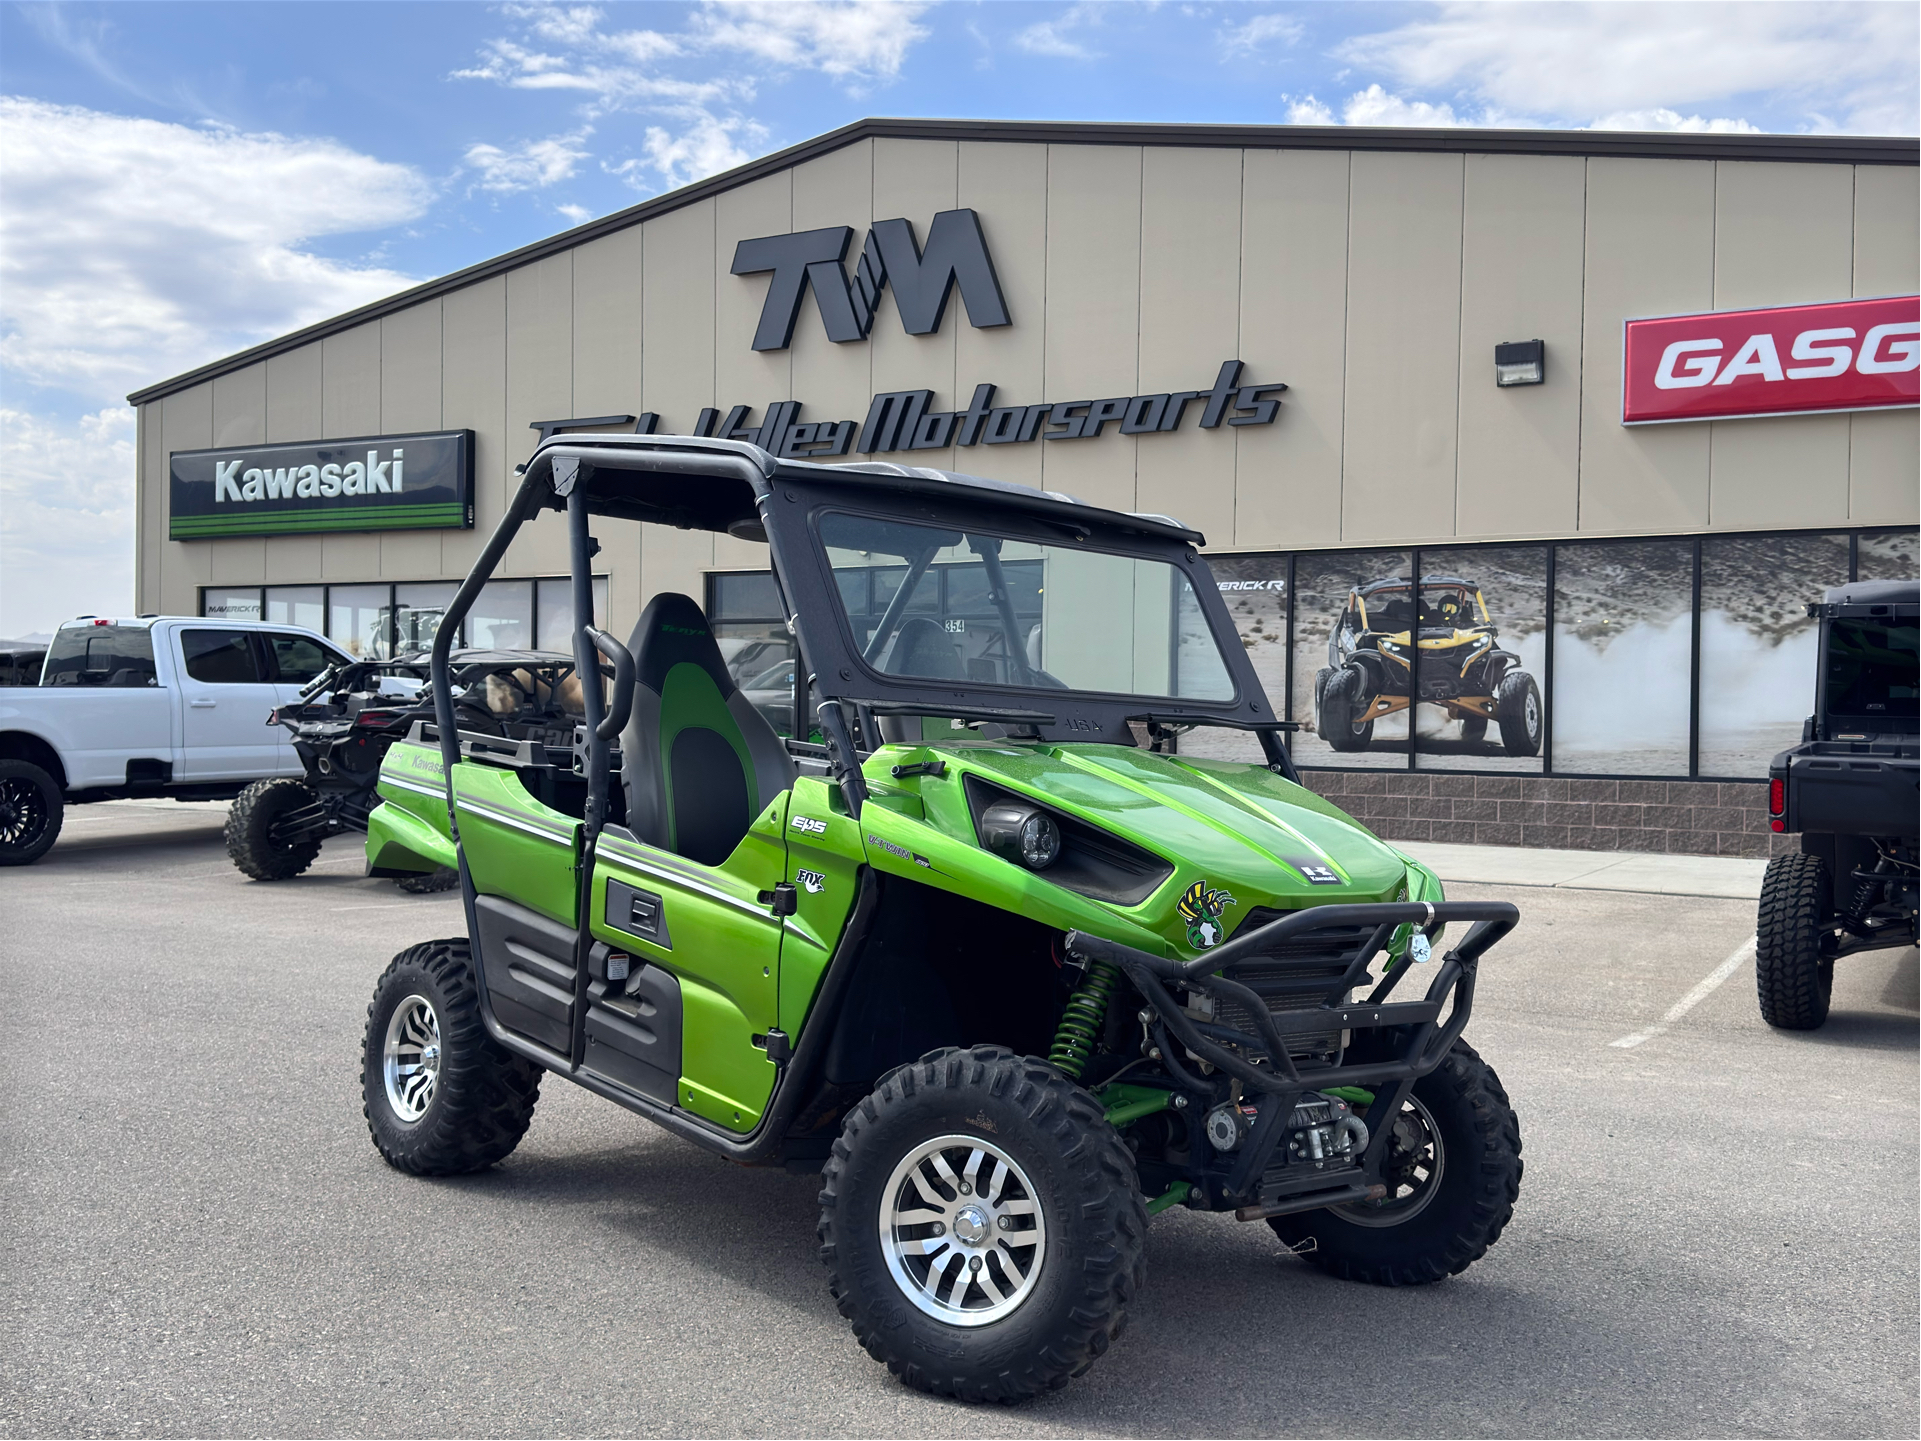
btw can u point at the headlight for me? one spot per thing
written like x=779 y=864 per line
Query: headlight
x=1021 y=832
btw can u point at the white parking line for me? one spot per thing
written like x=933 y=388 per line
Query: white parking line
x=1692 y=999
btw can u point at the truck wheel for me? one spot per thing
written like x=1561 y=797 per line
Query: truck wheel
x=251 y=842
x=1341 y=700
x=440 y=1095
x=31 y=810
x=1517 y=707
x=982 y=1225
x=446 y=878
x=1795 y=980
x=1453 y=1171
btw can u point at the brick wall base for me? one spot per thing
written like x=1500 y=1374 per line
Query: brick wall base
x=1699 y=818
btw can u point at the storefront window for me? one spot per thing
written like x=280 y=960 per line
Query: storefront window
x=304 y=605
x=1758 y=645
x=358 y=620
x=1254 y=589
x=1623 y=650
x=1889 y=555
x=417 y=613
x=503 y=616
x=1482 y=667
x=231 y=604
x=1349 y=607
x=556 y=612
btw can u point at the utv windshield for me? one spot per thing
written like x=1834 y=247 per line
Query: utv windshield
x=1872 y=669
x=932 y=604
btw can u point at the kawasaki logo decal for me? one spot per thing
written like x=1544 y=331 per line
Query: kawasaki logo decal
x=1201 y=909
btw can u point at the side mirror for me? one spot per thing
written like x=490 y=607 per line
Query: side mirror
x=622 y=704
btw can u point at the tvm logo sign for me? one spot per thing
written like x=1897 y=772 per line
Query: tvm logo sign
x=922 y=279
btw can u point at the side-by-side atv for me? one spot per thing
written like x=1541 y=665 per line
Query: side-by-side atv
x=1010 y=972
x=1392 y=648
x=342 y=726
x=1849 y=791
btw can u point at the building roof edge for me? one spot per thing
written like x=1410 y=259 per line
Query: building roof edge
x=1655 y=145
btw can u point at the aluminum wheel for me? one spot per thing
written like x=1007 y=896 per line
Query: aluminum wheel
x=962 y=1230
x=23 y=812
x=411 y=1058
x=1412 y=1171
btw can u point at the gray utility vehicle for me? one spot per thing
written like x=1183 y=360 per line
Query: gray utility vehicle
x=1848 y=790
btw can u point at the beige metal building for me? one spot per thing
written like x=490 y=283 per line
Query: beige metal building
x=1371 y=272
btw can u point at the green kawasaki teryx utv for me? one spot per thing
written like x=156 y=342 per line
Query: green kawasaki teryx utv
x=1008 y=970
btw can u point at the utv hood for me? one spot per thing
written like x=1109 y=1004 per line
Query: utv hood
x=1248 y=837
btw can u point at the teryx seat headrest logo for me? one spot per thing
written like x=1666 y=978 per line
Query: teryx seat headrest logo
x=921 y=279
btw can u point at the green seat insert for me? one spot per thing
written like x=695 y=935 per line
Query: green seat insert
x=698 y=761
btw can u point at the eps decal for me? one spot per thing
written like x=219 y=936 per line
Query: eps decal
x=807 y=825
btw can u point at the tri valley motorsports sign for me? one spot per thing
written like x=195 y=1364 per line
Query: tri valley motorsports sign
x=381 y=482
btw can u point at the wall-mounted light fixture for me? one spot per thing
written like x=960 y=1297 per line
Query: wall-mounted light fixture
x=1520 y=362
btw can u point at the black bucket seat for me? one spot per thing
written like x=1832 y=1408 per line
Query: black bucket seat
x=699 y=763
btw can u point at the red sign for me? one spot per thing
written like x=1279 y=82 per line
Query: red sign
x=1788 y=360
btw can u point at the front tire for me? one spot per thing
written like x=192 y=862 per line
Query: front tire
x=252 y=844
x=1341 y=701
x=1453 y=1171
x=989 y=1289
x=31 y=812
x=1795 y=979
x=1517 y=709
x=440 y=1095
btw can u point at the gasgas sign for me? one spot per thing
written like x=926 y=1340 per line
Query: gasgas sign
x=1786 y=360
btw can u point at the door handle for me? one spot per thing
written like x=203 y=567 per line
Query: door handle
x=202 y=704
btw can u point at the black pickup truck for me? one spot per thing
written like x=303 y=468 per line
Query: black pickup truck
x=1848 y=790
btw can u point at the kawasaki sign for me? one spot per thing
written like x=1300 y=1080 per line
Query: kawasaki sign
x=379 y=482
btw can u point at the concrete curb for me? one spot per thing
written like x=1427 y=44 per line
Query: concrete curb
x=1717 y=877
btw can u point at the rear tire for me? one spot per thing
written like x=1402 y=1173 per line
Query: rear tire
x=31 y=812
x=446 y=878
x=249 y=831
x=1517 y=707
x=1075 y=1192
x=1455 y=1162
x=440 y=1095
x=1795 y=981
x=1341 y=700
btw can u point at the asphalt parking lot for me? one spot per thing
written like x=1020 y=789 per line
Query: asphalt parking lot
x=1716 y=1234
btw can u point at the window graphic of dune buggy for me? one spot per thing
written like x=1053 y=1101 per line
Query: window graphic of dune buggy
x=1372 y=668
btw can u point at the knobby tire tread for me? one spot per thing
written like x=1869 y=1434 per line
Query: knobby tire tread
x=485 y=1095
x=1112 y=1272
x=248 y=821
x=1794 y=982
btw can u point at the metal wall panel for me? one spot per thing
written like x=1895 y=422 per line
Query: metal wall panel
x=1520 y=447
x=1293 y=328
x=1650 y=251
x=677 y=364
x=914 y=180
x=1007 y=186
x=1403 y=346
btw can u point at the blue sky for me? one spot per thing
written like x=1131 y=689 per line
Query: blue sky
x=181 y=180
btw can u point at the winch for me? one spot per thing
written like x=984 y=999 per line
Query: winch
x=1322 y=1132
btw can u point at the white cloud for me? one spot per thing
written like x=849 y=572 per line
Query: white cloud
x=1308 y=111
x=1663 y=119
x=574 y=214
x=853 y=39
x=530 y=165
x=131 y=249
x=1056 y=37
x=707 y=146
x=1578 y=61
x=1374 y=106
x=66 y=517
x=1263 y=30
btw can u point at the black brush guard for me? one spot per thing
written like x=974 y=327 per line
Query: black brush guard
x=1291 y=978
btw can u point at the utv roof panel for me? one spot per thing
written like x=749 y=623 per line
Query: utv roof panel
x=704 y=484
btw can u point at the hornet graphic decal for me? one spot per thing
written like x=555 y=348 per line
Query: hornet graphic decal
x=1201 y=909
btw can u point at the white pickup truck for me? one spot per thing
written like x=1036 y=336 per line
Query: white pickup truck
x=159 y=706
